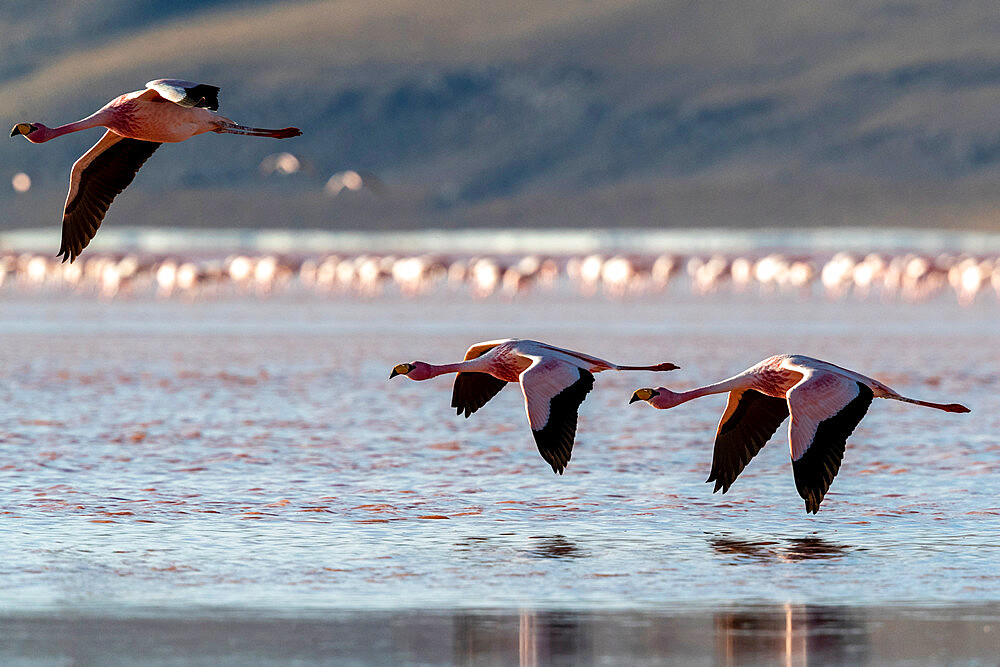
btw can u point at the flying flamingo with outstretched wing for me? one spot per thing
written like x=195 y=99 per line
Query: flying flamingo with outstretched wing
x=554 y=382
x=166 y=111
x=826 y=403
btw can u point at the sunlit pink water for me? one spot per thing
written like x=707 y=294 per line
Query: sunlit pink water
x=251 y=453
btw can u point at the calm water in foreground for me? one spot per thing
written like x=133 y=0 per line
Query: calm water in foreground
x=248 y=459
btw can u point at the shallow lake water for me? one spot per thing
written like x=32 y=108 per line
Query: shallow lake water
x=172 y=459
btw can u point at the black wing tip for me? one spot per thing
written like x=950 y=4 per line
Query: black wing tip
x=557 y=455
x=67 y=253
x=814 y=495
x=719 y=485
x=466 y=409
x=204 y=96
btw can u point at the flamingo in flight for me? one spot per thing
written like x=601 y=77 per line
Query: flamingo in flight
x=167 y=110
x=554 y=382
x=826 y=403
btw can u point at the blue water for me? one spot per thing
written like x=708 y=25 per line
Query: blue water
x=251 y=453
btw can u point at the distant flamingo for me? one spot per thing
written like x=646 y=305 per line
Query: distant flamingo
x=826 y=403
x=168 y=110
x=554 y=382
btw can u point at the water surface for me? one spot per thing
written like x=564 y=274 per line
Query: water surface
x=236 y=480
x=251 y=454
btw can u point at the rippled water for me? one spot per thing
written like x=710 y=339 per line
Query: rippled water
x=252 y=454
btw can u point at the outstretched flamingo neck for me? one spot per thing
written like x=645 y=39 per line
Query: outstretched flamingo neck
x=665 y=398
x=737 y=382
x=444 y=369
x=425 y=371
x=43 y=133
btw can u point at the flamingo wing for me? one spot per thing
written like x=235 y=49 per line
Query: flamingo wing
x=826 y=408
x=96 y=179
x=553 y=391
x=472 y=389
x=187 y=93
x=750 y=419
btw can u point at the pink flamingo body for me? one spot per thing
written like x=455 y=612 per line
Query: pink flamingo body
x=825 y=402
x=166 y=111
x=554 y=382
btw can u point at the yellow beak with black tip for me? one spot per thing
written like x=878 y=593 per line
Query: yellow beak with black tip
x=22 y=128
x=643 y=395
x=400 y=369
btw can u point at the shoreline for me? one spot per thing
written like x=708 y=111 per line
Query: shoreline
x=495 y=241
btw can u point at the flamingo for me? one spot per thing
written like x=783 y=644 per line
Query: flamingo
x=167 y=110
x=826 y=403
x=554 y=382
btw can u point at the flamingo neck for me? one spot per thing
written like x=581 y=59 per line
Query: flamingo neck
x=94 y=120
x=443 y=369
x=737 y=382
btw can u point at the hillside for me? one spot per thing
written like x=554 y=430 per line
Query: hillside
x=589 y=113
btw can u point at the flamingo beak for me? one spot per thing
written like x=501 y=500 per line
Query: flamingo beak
x=400 y=369
x=22 y=128
x=643 y=395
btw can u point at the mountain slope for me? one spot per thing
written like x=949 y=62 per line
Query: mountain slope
x=807 y=112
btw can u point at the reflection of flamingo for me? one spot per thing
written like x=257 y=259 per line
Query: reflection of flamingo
x=556 y=546
x=168 y=110
x=826 y=403
x=803 y=548
x=554 y=382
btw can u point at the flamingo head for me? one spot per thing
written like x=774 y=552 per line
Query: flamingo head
x=661 y=397
x=417 y=370
x=33 y=132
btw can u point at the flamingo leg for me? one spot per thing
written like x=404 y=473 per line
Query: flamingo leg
x=283 y=133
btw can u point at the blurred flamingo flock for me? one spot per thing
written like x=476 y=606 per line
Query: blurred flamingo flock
x=908 y=276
